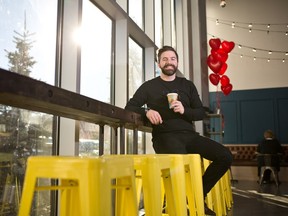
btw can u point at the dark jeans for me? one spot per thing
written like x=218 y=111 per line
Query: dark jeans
x=191 y=143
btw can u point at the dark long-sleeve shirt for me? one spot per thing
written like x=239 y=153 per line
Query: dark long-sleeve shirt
x=153 y=94
x=270 y=146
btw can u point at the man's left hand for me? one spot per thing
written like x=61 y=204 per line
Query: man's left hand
x=177 y=107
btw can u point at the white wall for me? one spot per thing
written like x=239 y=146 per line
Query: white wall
x=245 y=73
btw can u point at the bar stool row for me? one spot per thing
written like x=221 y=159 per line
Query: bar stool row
x=114 y=184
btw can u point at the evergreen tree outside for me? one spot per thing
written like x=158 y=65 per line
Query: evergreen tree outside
x=15 y=121
x=20 y=60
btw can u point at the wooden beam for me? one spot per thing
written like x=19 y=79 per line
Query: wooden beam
x=31 y=94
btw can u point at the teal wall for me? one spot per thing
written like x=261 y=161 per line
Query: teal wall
x=248 y=113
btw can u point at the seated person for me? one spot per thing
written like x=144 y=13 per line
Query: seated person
x=269 y=145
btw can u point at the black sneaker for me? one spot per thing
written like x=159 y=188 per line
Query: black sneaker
x=208 y=211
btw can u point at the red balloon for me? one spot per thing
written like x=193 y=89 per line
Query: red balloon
x=214 y=64
x=228 y=46
x=223 y=69
x=220 y=54
x=215 y=43
x=224 y=80
x=227 y=89
x=214 y=78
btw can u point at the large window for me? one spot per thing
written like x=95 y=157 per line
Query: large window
x=27 y=47
x=136 y=12
x=135 y=66
x=135 y=79
x=158 y=23
x=96 y=61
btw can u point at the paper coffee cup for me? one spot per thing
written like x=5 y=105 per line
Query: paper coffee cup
x=171 y=97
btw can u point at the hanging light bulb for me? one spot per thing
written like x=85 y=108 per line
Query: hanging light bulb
x=241 y=56
x=254 y=50
x=250 y=30
x=254 y=58
x=286 y=33
x=268 y=60
x=268 y=26
x=233 y=24
x=239 y=46
x=250 y=25
x=217 y=22
x=286 y=53
x=270 y=52
x=283 y=60
x=222 y=3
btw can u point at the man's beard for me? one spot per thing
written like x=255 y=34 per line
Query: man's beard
x=169 y=72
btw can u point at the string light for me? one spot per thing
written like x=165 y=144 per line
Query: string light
x=249 y=26
x=258 y=50
x=258 y=58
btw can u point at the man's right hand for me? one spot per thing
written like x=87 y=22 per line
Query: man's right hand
x=154 y=117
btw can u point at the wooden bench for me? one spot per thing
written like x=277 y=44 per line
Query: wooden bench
x=245 y=154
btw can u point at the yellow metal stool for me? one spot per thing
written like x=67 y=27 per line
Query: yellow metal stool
x=84 y=183
x=152 y=171
x=215 y=198
x=187 y=184
x=121 y=170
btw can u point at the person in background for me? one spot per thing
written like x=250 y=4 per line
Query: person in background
x=269 y=145
x=173 y=130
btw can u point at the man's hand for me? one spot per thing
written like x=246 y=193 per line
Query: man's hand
x=154 y=117
x=177 y=107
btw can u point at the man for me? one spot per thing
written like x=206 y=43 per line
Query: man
x=173 y=131
x=269 y=145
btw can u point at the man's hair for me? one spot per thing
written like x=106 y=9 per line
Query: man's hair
x=268 y=134
x=164 y=49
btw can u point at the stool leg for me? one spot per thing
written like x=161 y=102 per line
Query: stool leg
x=217 y=201
x=69 y=198
x=138 y=183
x=27 y=193
x=125 y=197
x=226 y=189
x=152 y=188
x=179 y=184
x=195 y=187
x=169 y=192
x=275 y=176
